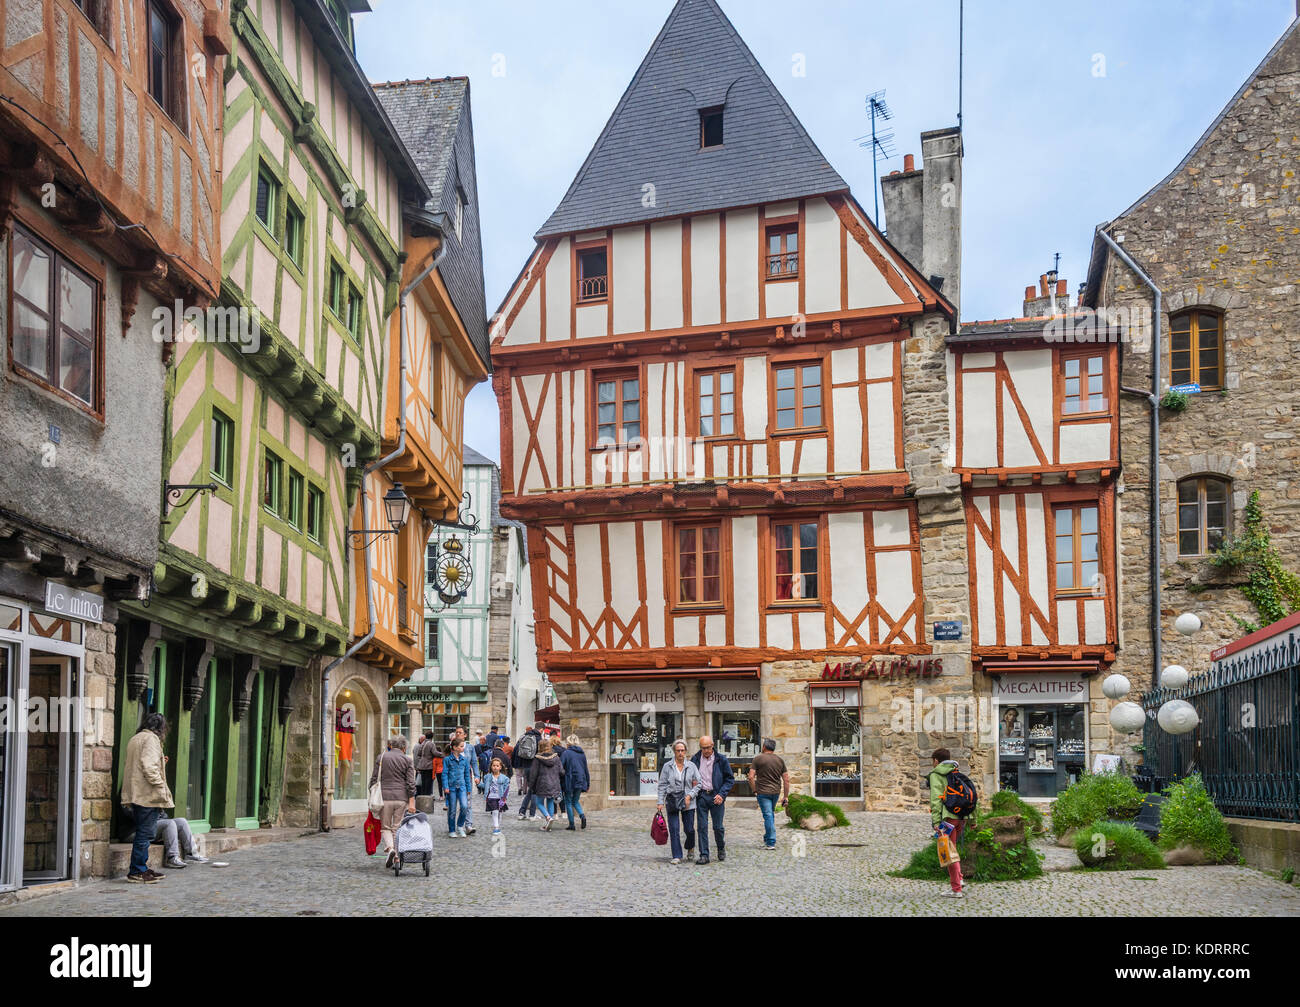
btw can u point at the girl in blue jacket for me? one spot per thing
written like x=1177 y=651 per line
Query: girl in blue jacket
x=497 y=786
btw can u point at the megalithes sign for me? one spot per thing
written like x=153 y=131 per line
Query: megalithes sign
x=897 y=667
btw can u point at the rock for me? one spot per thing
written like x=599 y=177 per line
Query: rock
x=1186 y=856
x=816 y=822
x=1008 y=830
x=1066 y=838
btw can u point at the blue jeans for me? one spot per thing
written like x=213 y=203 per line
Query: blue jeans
x=573 y=805
x=545 y=805
x=705 y=809
x=146 y=823
x=687 y=816
x=457 y=801
x=767 y=805
x=528 y=805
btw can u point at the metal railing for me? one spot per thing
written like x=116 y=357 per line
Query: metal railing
x=782 y=264
x=1247 y=744
x=592 y=288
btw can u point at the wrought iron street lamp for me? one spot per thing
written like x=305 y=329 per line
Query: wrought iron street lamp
x=397 y=507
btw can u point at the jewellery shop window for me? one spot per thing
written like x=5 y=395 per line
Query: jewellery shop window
x=639 y=745
x=837 y=743
x=1041 y=749
x=737 y=736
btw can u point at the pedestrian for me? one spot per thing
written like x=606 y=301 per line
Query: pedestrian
x=395 y=773
x=522 y=760
x=145 y=792
x=437 y=771
x=483 y=759
x=769 y=779
x=716 y=781
x=176 y=839
x=544 y=781
x=475 y=773
x=423 y=759
x=497 y=788
x=499 y=752
x=577 y=781
x=491 y=739
x=948 y=826
x=679 y=783
x=460 y=781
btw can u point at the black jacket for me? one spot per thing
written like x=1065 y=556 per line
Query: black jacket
x=521 y=763
x=544 y=775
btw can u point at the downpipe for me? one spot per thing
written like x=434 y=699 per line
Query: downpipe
x=1153 y=398
x=365 y=523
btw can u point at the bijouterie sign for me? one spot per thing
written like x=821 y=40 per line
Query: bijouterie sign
x=893 y=667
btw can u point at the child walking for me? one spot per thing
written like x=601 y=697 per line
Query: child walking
x=497 y=787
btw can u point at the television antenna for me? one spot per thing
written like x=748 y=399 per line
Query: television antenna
x=880 y=141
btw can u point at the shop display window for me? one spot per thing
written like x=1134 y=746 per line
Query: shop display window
x=638 y=748
x=737 y=736
x=837 y=753
x=1041 y=750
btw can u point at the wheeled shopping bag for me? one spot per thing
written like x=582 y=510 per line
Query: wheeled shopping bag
x=413 y=842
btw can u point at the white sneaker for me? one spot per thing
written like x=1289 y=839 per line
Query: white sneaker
x=194 y=858
x=950 y=894
x=460 y=834
x=496 y=832
x=470 y=830
x=675 y=860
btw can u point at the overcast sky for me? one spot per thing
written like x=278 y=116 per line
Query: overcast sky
x=1071 y=110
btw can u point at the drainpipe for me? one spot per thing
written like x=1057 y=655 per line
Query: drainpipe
x=365 y=523
x=1153 y=397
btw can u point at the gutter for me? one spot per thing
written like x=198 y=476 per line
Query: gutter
x=1153 y=398
x=365 y=522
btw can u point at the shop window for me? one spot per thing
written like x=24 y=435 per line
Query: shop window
x=354 y=748
x=315 y=512
x=272 y=483
x=795 y=557
x=715 y=395
x=166 y=62
x=55 y=338
x=593 y=274
x=223 y=447
x=798 y=398
x=618 y=410
x=782 y=252
x=711 y=127
x=699 y=565
x=1041 y=749
x=1202 y=515
x=837 y=752
x=638 y=750
x=1078 y=556
x=739 y=738
x=1083 y=385
x=1196 y=349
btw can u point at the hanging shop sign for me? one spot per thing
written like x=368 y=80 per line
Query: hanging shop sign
x=1040 y=689
x=848 y=696
x=641 y=697
x=892 y=667
x=69 y=603
x=731 y=697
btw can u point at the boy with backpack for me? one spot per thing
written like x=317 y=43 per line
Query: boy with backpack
x=952 y=800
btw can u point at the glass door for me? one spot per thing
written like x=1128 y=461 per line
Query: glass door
x=10 y=798
x=53 y=742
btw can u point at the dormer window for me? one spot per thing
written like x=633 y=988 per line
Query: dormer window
x=593 y=273
x=460 y=213
x=711 y=127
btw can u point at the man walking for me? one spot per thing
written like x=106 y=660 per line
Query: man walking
x=716 y=781
x=769 y=779
x=576 y=781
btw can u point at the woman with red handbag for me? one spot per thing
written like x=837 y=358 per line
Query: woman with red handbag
x=679 y=782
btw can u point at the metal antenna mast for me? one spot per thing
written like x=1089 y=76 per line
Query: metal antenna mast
x=880 y=141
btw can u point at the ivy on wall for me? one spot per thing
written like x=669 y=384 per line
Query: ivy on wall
x=1272 y=589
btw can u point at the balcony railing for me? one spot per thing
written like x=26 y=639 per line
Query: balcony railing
x=593 y=288
x=782 y=265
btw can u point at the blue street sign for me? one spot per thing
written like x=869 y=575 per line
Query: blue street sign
x=947 y=630
x=1188 y=389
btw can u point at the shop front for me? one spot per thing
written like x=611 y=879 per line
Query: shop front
x=836 y=740
x=731 y=710
x=1043 y=732
x=413 y=711
x=642 y=720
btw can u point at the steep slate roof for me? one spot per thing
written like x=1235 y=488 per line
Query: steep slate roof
x=433 y=119
x=653 y=135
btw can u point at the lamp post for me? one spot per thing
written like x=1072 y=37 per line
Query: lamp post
x=397 y=507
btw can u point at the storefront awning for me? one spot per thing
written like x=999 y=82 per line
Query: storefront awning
x=547 y=715
x=1040 y=667
x=647 y=674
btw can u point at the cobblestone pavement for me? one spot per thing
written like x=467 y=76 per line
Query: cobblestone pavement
x=613 y=869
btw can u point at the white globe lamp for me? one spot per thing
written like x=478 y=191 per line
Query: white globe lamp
x=1115 y=687
x=1187 y=623
x=1174 y=677
x=1177 y=717
x=1127 y=717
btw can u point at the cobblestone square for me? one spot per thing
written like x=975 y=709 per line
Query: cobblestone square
x=613 y=869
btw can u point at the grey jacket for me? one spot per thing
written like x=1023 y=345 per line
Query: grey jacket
x=424 y=756
x=396 y=774
x=687 y=785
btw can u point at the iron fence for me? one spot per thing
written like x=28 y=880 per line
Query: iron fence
x=1247 y=744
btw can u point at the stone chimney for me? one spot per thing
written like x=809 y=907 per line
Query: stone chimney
x=923 y=210
x=1043 y=302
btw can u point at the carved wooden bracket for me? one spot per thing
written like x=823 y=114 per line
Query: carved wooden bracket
x=246 y=668
x=198 y=653
x=284 y=702
x=141 y=641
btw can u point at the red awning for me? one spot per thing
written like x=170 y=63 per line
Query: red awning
x=622 y=675
x=547 y=715
x=1024 y=667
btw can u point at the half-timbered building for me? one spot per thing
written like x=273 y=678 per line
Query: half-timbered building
x=704 y=372
x=110 y=202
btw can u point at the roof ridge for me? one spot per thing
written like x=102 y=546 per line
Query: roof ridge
x=425 y=80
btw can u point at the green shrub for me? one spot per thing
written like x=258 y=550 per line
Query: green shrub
x=1095 y=798
x=1008 y=802
x=1189 y=818
x=1133 y=850
x=982 y=859
x=801 y=806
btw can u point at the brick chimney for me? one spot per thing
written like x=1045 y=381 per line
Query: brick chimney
x=923 y=210
x=1042 y=301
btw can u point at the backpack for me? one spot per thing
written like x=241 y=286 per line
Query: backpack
x=960 y=795
x=527 y=747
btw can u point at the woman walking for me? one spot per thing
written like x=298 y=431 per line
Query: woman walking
x=396 y=775
x=544 y=777
x=679 y=782
x=497 y=787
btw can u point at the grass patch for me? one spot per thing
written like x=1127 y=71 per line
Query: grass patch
x=1094 y=798
x=1008 y=802
x=982 y=858
x=800 y=806
x=1189 y=818
x=1132 y=849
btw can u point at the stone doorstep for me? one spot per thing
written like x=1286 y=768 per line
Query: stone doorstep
x=36 y=891
x=215 y=844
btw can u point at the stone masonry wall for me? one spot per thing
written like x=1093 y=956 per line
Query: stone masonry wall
x=100 y=691
x=499 y=635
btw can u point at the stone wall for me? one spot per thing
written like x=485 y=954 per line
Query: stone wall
x=499 y=634
x=100 y=691
x=1220 y=233
x=300 y=806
